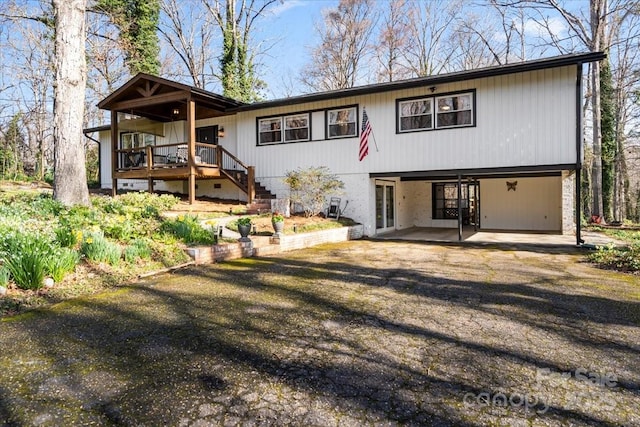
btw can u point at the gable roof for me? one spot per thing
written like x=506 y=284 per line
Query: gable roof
x=144 y=92
x=519 y=67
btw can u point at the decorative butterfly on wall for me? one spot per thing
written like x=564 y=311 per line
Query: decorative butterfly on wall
x=511 y=185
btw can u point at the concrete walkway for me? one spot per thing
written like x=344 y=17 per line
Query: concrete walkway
x=449 y=235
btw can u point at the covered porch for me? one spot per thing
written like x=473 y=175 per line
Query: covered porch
x=462 y=205
x=169 y=110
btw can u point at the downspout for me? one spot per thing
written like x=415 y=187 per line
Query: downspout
x=579 y=138
x=460 y=208
x=99 y=158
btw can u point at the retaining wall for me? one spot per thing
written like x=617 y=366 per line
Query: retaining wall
x=274 y=245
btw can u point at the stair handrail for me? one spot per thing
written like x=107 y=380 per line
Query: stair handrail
x=223 y=159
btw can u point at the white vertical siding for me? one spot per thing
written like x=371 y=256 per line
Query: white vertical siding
x=521 y=120
x=230 y=139
x=105 y=160
x=318 y=125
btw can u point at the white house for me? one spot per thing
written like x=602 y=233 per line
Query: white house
x=497 y=148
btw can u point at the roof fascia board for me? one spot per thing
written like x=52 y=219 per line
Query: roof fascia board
x=477 y=172
x=520 y=67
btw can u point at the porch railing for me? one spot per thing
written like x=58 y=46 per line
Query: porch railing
x=165 y=155
x=155 y=157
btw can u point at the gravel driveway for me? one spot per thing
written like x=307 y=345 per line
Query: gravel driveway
x=360 y=333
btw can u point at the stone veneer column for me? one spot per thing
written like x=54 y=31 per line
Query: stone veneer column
x=568 y=202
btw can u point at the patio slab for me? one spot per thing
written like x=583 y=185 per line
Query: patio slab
x=450 y=235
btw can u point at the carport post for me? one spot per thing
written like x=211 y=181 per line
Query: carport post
x=459 y=208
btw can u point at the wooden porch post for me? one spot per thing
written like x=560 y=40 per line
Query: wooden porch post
x=191 y=122
x=114 y=154
x=476 y=208
x=251 y=183
x=459 y=208
x=149 y=154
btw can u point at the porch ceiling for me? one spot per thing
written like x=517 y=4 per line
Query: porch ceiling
x=157 y=98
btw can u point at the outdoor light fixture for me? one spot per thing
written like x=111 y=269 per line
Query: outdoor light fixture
x=220 y=132
x=176 y=112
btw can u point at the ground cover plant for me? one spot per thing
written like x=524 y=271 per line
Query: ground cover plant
x=83 y=249
x=625 y=258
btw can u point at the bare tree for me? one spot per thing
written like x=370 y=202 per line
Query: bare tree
x=429 y=29
x=106 y=65
x=345 y=33
x=468 y=51
x=502 y=33
x=625 y=59
x=593 y=32
x=32 y=67
x=189 y=31
x=70 y=181
x=392 y=41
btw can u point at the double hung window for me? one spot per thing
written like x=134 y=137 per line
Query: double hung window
x=436 y=112
x=341 y=123
x=296 y=128
x=416 y=114
x=454 y=111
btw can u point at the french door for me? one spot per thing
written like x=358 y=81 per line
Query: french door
x=385 y=206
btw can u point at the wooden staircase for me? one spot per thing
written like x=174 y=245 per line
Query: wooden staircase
x=262 y=202
x=243 y=177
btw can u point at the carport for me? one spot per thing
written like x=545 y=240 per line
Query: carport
x=459 y=205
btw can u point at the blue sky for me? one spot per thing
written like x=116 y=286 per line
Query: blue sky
x=290 y=31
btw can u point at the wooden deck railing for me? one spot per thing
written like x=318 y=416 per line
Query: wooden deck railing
x=155 y=157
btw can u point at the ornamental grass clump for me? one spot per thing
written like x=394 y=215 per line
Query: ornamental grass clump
x=97 y=248
x=62 y=262
x=4 y=277
x=138 y=249
x=27 y=260
x=188 y=229
x=65 y=236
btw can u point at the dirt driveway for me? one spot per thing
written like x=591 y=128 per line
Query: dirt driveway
x=360 y=333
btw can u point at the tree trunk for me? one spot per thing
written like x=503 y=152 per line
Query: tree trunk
x=596 y=168
x=598 y=17
x=70 y=182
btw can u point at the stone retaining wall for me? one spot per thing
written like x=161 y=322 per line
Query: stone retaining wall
x=291 y=242
x=221 y=252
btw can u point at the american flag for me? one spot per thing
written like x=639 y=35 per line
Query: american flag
x=364 y=135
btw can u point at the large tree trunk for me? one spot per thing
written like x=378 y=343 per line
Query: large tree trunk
x=598 y=17
x=70 y=181
x=596 y=168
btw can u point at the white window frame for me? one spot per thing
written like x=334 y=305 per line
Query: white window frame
x=303 y=116
x=430 y=112
x=137 y=139
x=440 y=110
x=353 y=112
x=270 y=120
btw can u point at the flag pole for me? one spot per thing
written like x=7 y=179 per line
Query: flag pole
x=372 y=133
